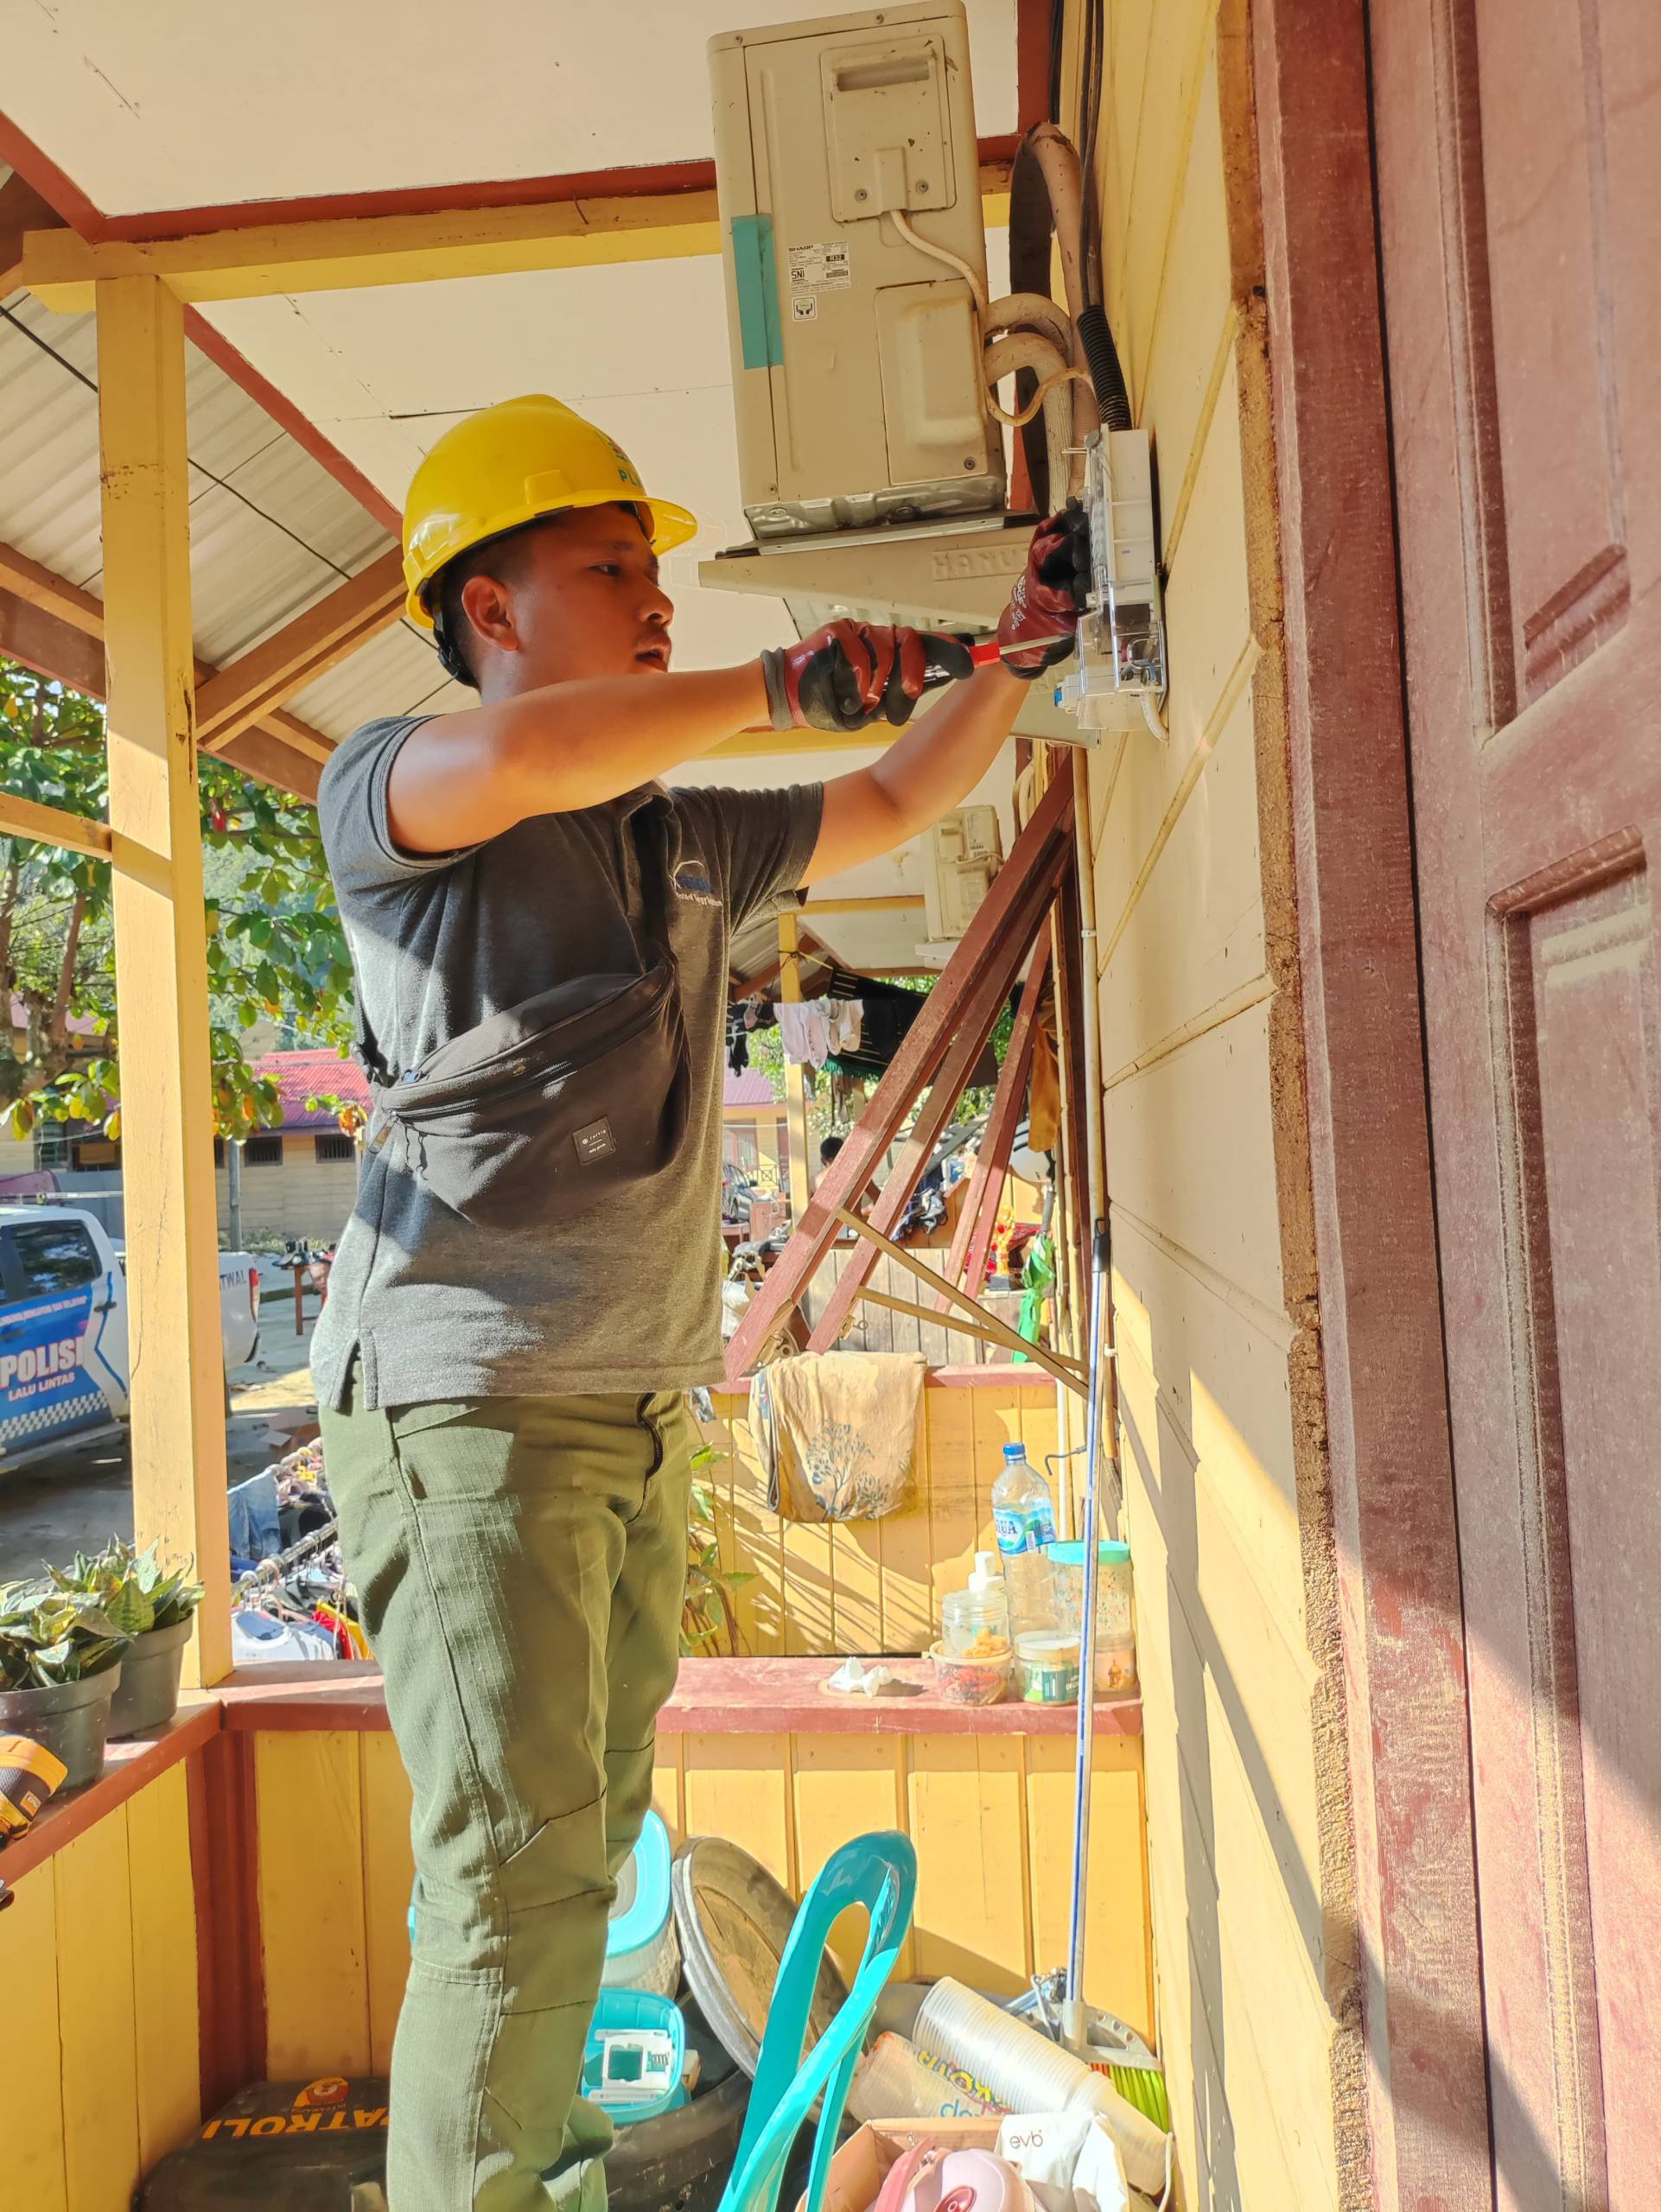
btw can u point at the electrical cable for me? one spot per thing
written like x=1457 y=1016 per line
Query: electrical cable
x=898 y=217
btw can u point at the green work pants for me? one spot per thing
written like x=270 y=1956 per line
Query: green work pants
x=521 y=1563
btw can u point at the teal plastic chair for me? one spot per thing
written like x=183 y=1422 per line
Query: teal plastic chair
x=880 y=1873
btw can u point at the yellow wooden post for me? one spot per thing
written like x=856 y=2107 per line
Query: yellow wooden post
x=160 y=943
x=790 y=993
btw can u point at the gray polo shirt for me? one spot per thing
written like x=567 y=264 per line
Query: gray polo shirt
x=627 y=1296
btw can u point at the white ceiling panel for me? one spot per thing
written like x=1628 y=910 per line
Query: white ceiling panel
x=173 y=103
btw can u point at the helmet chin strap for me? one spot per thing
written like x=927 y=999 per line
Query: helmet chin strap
x=450 y=659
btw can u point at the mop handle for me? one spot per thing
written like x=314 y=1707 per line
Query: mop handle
x=1075 y=2030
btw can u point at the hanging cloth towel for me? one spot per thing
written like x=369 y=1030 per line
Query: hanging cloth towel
x=838 y=1432
x=847 y=1019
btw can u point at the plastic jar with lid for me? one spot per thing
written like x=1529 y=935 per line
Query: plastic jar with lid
x=975 y=1622
x=1115 y=1629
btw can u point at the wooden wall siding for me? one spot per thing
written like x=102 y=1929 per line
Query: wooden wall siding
x=335 y=1880
x=875 y=1586
x=991 y=1817
x=101 y=2069
x=1212 y=1288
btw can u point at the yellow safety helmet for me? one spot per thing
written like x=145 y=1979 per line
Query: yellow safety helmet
x=505 y=467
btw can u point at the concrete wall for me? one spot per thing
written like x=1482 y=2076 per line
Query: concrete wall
x=1221 y=1407
x=305 y=1197
x=16 y=1154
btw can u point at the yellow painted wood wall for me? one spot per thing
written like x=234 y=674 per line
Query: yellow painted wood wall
x=875 y=1586
x=1214 y=1293
x=991 y=1818
x=100 y=2071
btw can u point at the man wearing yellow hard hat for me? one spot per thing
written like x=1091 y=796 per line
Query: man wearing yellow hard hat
x=530 y=1281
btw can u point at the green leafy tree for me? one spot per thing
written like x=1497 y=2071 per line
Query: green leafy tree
x=274 y=942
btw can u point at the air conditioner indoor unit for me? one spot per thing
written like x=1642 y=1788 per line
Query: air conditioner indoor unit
x=847 y=173
x=962 y=854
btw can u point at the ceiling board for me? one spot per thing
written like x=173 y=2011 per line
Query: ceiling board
x=173 y=103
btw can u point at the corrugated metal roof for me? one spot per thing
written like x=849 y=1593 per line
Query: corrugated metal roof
x=397 y=673
x=272 y=530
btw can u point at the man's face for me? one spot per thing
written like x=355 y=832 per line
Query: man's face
x=584 y=600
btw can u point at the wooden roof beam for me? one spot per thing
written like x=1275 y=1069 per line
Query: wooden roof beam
x=21 y=210
x=346 y=254
x=55 y=628
x=242 y=692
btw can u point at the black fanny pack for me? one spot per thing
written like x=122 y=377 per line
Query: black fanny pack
x=543 y=1110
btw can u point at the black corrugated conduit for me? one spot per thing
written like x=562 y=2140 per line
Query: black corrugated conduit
x=1102 y=359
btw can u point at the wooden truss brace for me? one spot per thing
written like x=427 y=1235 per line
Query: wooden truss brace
x=55 y=628
x=968 y=1042
x=966 y=1262
x=987 y=1327
x=245 y=690
x=936 y=1054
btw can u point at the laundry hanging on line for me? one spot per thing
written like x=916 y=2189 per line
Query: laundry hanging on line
x=813 y=1031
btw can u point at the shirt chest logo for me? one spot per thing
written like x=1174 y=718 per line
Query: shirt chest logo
x=692 y=884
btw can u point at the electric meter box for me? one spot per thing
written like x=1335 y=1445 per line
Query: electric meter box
x=857 y=355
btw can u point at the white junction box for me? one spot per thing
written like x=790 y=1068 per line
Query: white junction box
x=857 y=355
x=1121 y=660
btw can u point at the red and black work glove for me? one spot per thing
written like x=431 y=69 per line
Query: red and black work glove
x=1049 y=596
x=850 y=674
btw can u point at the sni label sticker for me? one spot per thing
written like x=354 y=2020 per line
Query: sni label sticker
x=820 y=269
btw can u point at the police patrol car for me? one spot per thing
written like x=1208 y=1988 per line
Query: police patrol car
x=63 y=1329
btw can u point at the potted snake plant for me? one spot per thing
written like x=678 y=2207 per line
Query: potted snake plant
x=154 y=1607
x=60 y=1667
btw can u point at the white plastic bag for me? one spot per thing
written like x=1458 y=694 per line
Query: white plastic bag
x=1068 y=2160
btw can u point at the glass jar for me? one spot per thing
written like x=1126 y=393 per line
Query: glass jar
x=975 y=1622
x=1115 y=1629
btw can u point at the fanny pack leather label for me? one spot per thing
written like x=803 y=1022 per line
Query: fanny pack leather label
x=595 y=1142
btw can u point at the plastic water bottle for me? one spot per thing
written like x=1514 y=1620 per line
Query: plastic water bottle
x=1024 y=1514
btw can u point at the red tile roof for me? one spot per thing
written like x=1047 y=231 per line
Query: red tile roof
x=750 y=1087
x=322 y=1073
x=306 y=1074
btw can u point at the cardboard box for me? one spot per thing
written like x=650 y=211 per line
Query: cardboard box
x=860 y=2168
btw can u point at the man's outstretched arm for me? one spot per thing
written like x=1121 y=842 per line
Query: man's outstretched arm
x=936 y=765
x=927 y=771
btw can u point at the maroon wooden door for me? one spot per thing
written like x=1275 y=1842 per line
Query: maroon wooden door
x=1519 y=171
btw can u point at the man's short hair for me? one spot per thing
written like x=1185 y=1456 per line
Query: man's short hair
x=496 y=558
x=829 y=1149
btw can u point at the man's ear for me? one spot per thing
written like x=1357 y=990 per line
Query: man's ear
x=486 y=605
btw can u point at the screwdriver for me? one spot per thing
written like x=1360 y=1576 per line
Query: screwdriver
x=985 y=655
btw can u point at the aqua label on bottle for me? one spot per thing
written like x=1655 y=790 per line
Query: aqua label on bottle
x=1023 y=1529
